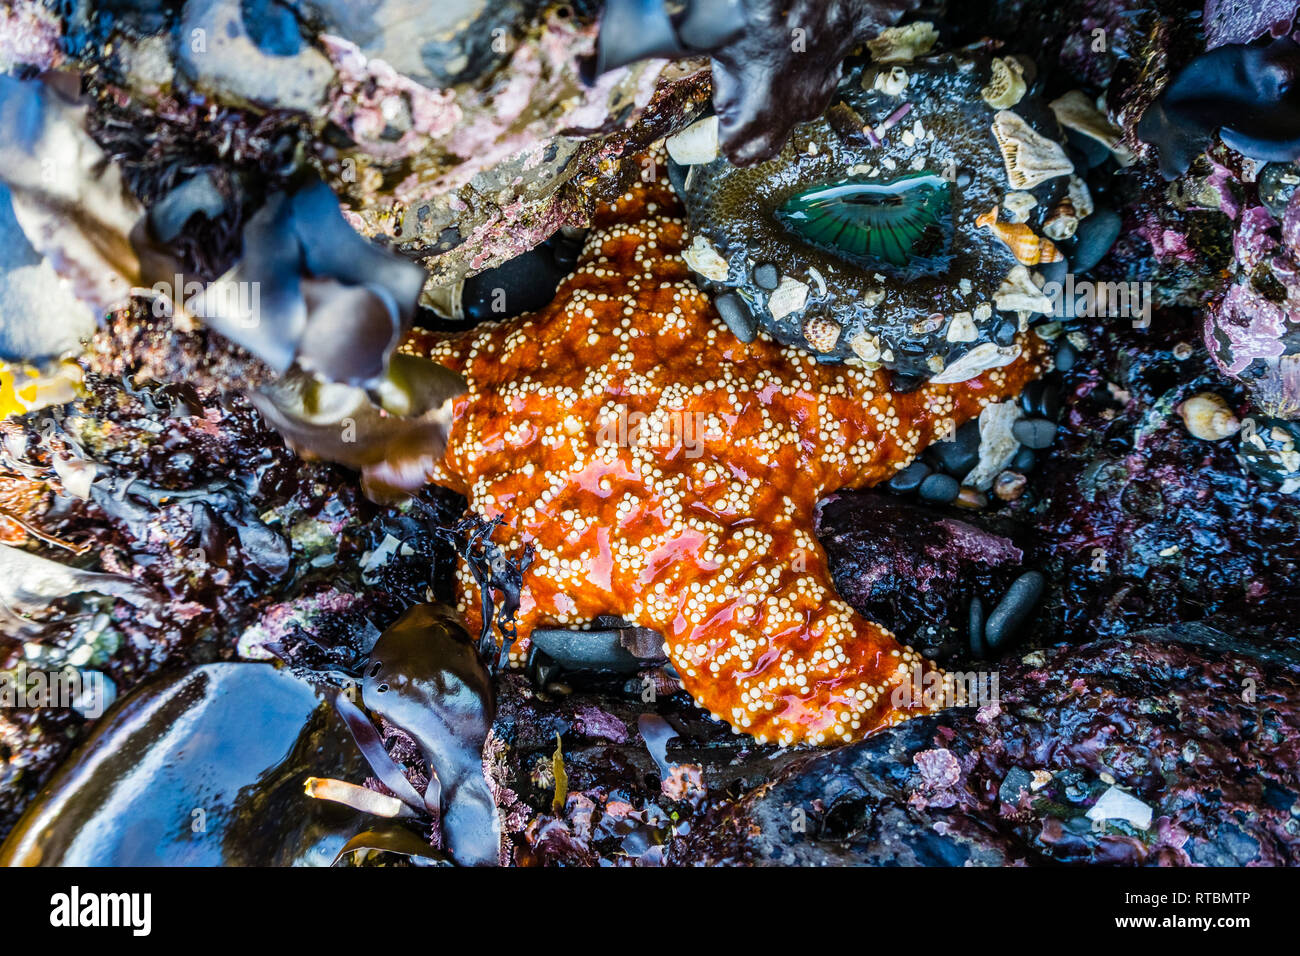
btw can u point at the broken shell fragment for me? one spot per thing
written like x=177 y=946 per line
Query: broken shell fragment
x=704 y=260
x=1075 y=111
x=696 y=144
x=1018 y=205
x=977 y=360
x=1062 y=222
x=903 y=44
x=1020 y=293
x=1030 y=157
x=1007 y=86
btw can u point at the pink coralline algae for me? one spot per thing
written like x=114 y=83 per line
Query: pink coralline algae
x=1253 y=331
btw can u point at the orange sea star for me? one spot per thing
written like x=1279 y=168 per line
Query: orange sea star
x=667 y=473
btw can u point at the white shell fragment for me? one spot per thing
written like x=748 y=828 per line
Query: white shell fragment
x=1007 y=86
x=790 y=296
x=1018 y=205
x=866 y=346
x=903 y=44
x=962 y=328
x=1208 y=417
x=979 y=359
x=1020 y=293
x=705 y=260
x=1030 y=157
x=1076 y=112
x=1115 y=804
x=997 y=444
x=892 y=82
x=696 y=144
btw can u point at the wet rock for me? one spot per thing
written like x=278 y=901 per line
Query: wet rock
x=918 y=582
x=1020 y=787
x=203 y=768
x=261 y=60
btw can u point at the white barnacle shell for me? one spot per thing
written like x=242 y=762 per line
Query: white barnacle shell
x=979 y=359
x=1019 y=293
x=1007 y=85
x=1030 y=157
x=892 y=82
x=696 y=144
x=705 y=260
x=866 y=346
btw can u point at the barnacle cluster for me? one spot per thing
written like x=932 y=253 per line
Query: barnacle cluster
x=910 y=227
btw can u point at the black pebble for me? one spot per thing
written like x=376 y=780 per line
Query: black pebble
x=940 y=489
x=959 y=456
x=1093 y=152
x=1016 y=782
x=1041 y=398
x=909 y=479
x=1055 y=271
x=1024 y=461
x=1014 y=609
x=736 y=314
x=767 y=276
x=1004 y=333
x=1034 y=432
x=524 y=284
x=1096 y=235
x=1066 y=356
x=975 y=630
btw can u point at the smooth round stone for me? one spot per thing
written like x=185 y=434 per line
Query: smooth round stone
x=1054 y=271
x=1024 y=461
x=767 y=276
x=909 y=479
x=1015 y=608
x=971 y=498
x=958 y=456
x=975 y=628
x=1277 y=182
x=1066 y=356
x=1034 y=433
x=1042 y=398
x=523 y=284
x=1096 y=235
x=736 y=314
x=1004 y=333
x=940 y=488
